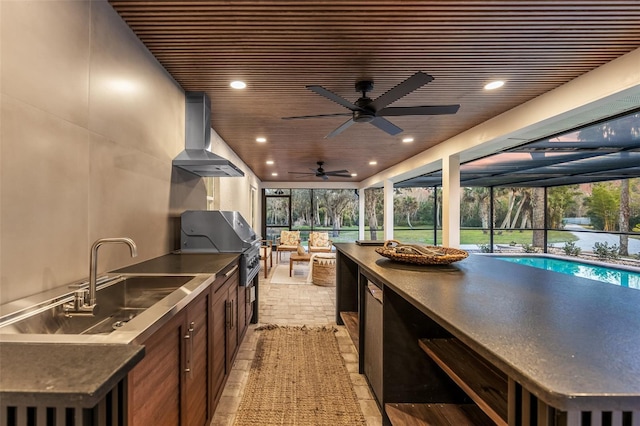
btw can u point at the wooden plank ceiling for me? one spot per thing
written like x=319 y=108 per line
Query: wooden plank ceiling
x=279 y=47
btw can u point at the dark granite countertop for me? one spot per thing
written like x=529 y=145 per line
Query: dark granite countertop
x=70 y=375
x=80 y=373
x=573 y=342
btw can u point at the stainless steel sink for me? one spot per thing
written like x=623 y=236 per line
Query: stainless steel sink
x=119 y=301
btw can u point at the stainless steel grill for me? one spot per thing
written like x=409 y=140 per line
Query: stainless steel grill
x=217 y=231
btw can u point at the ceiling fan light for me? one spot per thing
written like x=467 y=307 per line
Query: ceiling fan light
x=238 y=84
x=494 y=85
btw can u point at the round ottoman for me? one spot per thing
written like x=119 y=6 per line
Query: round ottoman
x=324 y=269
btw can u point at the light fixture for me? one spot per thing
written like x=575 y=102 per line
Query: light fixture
x=494 y=85
x=354 y=174
x=238 y=84
x=274 y=174
x=261 y=139
x=407 y=140
x=373 y=163
x=269 y=162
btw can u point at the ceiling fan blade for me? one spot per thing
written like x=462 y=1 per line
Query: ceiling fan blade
x=418 y=110
x=339 y=175
x=301 y=173
x=417 y=80
x=324 y=177
x=341 y=114
x=333 y=172
x=341 y=128
x=335 y=98
x=386 y=125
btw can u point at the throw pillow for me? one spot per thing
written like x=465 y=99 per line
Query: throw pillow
x=321 y=239
x=289 y=238
x=301 y=249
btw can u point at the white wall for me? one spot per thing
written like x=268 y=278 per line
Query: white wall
x=235 y=193
x=89 y=125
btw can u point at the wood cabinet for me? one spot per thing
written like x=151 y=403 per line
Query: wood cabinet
x=154 y=384
x=169 y=386
x=187 y=361
x=196 y=362
x=224 y=326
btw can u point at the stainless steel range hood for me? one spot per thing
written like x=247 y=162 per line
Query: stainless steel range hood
x=197 y=157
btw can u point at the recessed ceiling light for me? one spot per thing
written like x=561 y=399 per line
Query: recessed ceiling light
x=238 y=84
x=354 y=174
x=373 y=163
x=407 y=140
x=269 y=161
x=274 y=174
x=494 y=85
x=261 y=139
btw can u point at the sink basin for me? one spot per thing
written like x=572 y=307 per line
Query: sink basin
x=119 y=301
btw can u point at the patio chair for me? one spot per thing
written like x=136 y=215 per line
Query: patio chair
x=320 y=242
x=287 y=241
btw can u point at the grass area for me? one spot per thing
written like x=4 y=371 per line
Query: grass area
x=476 y=236
x=467 y=236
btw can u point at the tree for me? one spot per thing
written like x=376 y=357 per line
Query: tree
x=603 y=206
x=478 y=199
x=537 y=203
x=623 y=218
x=405 y=206
x=622 y=129
x=373 y=204
x=559 y=200
x=336 y=202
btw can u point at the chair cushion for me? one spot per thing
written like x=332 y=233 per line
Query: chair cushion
x=290 y=238
x=319 y=239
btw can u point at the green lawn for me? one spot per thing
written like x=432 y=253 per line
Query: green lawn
x=467 y=236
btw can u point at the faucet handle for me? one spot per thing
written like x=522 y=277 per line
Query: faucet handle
x=80 y=297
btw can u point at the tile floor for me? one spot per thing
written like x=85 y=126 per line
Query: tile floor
x=293 y=304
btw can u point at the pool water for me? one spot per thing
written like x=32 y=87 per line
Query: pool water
x=619 y=277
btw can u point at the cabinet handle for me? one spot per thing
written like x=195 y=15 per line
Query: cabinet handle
x=187 y=361
x=231 y=271
x=228 y=314
x=189 y=355
x=192 y=327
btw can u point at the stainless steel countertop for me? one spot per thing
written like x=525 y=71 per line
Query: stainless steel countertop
x=39 y=367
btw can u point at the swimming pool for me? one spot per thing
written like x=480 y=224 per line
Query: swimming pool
x=621 y=277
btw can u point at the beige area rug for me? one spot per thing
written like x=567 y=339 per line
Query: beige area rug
x=298 y=275
x=298 y=378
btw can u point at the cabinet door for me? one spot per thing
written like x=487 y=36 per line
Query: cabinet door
x=218 y=323
x=195 y=375
x=232 y=322
x=154 y=384
x=242 y=311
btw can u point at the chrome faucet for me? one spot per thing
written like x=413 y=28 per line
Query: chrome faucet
x=86 y=303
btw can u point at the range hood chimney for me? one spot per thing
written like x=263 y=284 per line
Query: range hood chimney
x=197 y=157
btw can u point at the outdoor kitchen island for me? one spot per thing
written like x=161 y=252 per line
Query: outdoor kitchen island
x=483 y=341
